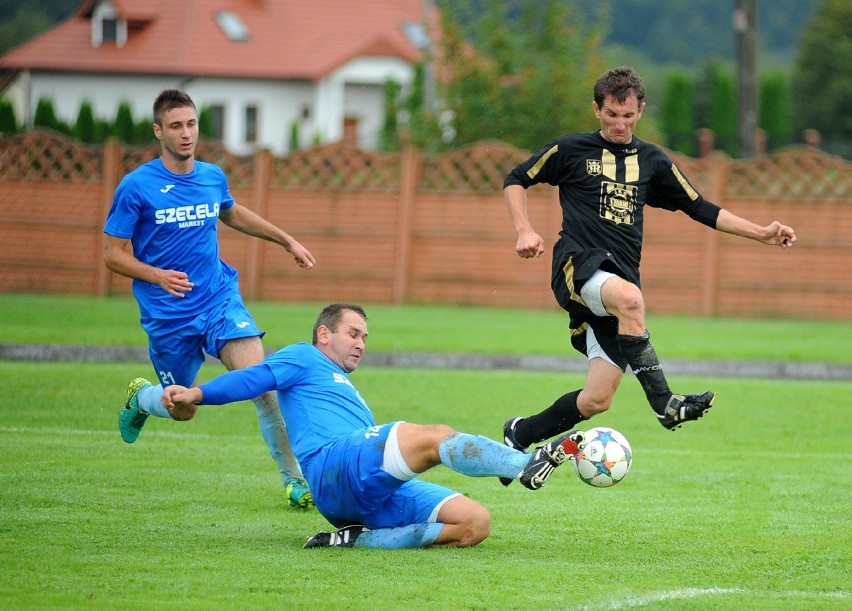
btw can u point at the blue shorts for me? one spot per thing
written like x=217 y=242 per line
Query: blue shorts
x=349 y=486
x=177 y=345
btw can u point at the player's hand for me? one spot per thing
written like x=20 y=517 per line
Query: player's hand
x=529 y=245
x=302 y=255
x=181 y=401
x=780 y=235
x=174 y=282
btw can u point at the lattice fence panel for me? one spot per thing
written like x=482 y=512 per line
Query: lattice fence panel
x=337 y=166
x=44 y=155
x=698 y=171
x=795 y=174
x=133 y=157
x=238 y=169
x=479 y=168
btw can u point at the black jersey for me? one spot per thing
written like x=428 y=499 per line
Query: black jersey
x=603 y=189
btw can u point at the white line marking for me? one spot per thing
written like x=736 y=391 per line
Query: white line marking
x=114 y=433
x=690 y=593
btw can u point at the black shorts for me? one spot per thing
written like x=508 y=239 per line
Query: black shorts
x=567 y=281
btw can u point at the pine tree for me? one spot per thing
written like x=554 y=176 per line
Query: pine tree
x=205 y=123
x=389 y=136
x=676 y=117
x=8 y=120
x=45 y=116
x=124 y=129
x=294 y=144
x=84 y=128
x=774 y=110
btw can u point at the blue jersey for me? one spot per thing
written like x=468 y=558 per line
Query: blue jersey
x=171 y=220
x=317 y=400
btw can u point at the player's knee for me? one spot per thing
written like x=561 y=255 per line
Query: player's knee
x=591 y=403
x=627 y=302
x=183 y=413
x=477 y=527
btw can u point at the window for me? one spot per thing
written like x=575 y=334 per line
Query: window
x=109 y=29
x=217 y=121
x=108 y=26
x=251 y=124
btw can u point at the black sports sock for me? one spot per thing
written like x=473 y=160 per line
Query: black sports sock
x=560 y=417
x=642 y=358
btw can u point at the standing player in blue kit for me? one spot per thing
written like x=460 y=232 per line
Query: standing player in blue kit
x=189 y=299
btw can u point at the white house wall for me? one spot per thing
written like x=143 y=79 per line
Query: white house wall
x=354 y=90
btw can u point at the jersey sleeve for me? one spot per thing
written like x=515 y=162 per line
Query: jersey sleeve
x=545 y=166
x=227 y=200
x=671 y=190
x=125 y=210
x=238 y=385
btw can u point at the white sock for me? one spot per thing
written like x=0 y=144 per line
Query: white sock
x=274 y=432
x=149 y=401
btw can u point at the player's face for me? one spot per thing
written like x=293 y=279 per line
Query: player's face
x=179 y=133
x=618 y=119
x=346 y=344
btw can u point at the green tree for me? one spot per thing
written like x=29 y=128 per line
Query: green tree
x=389 y=136
x=124 y=128
x=8 y=120
x=26 y=23
x=143 y=131
x=527 y=77
x=84 y=128
x=716 y=105
x=295 y=141
x=422 y=129
x=205 y=123
x=677 y=120
x=774 y=110
x=45 y=116
x=822 y=77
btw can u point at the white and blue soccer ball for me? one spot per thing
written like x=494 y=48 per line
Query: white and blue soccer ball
x=604 y=457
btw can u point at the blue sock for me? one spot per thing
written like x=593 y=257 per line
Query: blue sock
x=148 y=400
x=479 y=456
x=274 y=432
x=403 y=537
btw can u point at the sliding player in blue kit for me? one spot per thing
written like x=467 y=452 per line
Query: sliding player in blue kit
x=362 y=475
x=189 y=299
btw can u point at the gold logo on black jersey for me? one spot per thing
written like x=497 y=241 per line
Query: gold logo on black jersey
x=594 y=167
x=618 y=202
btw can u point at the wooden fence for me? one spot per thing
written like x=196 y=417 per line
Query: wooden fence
x=418 y=228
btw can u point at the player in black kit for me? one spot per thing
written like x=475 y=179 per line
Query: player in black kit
x=605 y=180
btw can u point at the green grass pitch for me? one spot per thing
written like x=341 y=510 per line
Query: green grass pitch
x=749 y=508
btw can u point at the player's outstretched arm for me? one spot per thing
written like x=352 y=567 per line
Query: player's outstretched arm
x=179 y=397
x=774 y=234
x=244 y=220
x=119 y=259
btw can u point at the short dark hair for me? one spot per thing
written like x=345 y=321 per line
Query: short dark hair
x=619 y=83
x=170 y=99
x=331 y=314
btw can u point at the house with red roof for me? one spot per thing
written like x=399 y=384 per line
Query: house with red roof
x=262 y=67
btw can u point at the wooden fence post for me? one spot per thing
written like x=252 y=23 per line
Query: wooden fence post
x=719 y=166
x=110 y=177
x=259 y=197
x=410 y=160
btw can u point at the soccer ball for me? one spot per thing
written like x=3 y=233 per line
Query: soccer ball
x=604 y=457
